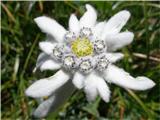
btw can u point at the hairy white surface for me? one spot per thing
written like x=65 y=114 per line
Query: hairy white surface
x=55 y=100
x=78 y=80
x=118 y=41
x=103 y=89
x=90 y=87
x=74 y=24
x=51 y=27
x=47 y=47
x=46 y=86
x=89 y=18
x=115 y=23
x=119 y=77
x=45 y=62
x=98 y=29
x=114 y=57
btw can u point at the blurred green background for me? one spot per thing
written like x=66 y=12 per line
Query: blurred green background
x=19 y=40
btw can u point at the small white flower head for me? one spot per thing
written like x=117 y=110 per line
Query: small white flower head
x=99 y=46
x=69 y=36
x=84 y=55
x=58 y=52
x=69 y=61
x=86 y=32
x=102 y=63
x=86 y=65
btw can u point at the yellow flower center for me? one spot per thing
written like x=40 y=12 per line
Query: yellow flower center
x=82 y=47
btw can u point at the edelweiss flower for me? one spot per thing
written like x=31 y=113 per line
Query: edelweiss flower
x=84 y=56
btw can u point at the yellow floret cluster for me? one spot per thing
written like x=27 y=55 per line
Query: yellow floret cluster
x=82 y=47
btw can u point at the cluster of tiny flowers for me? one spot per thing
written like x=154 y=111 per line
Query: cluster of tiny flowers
x=81 y=52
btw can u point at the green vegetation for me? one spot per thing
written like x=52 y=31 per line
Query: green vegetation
x=20 y=37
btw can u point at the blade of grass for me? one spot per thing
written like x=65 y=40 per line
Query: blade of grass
x=72 y=6
x=21 y=85
x=16 y=67
x=92 y=107
x=41 y=5
x=128 y=4
x=30 y=53
x=146 y=33
x=138 y=100
x=10 y=15
x=24 y=105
